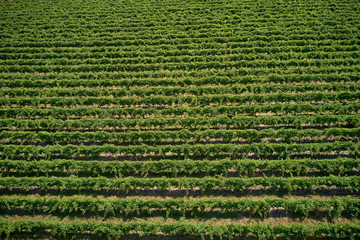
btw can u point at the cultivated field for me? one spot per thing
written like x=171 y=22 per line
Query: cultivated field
x=179 y=119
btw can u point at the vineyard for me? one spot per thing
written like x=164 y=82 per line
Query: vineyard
x=180 y=119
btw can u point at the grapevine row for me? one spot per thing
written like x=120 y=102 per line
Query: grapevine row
x=309 y=51
x=181 y=136
x=103 y=207
x=178 y=66
x=235 y=184
x=170 y=91
x=208 y=111
x=118 y=229
x=202 y=100
x=185 y=167
x=157 y=78
x=154 y=36
x=190 y=43
x=241 y=122
x=180 y=59
x=167 y=51
x=280 y=150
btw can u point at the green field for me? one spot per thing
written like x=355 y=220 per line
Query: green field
x=179 y=119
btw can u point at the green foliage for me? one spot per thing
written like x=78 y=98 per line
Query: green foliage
x=118 y=229
x=184 y=167
x=167 y=96
x=234 y=184
x=335 y=207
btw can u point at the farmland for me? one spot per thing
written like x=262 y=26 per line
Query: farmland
x=149 y=119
